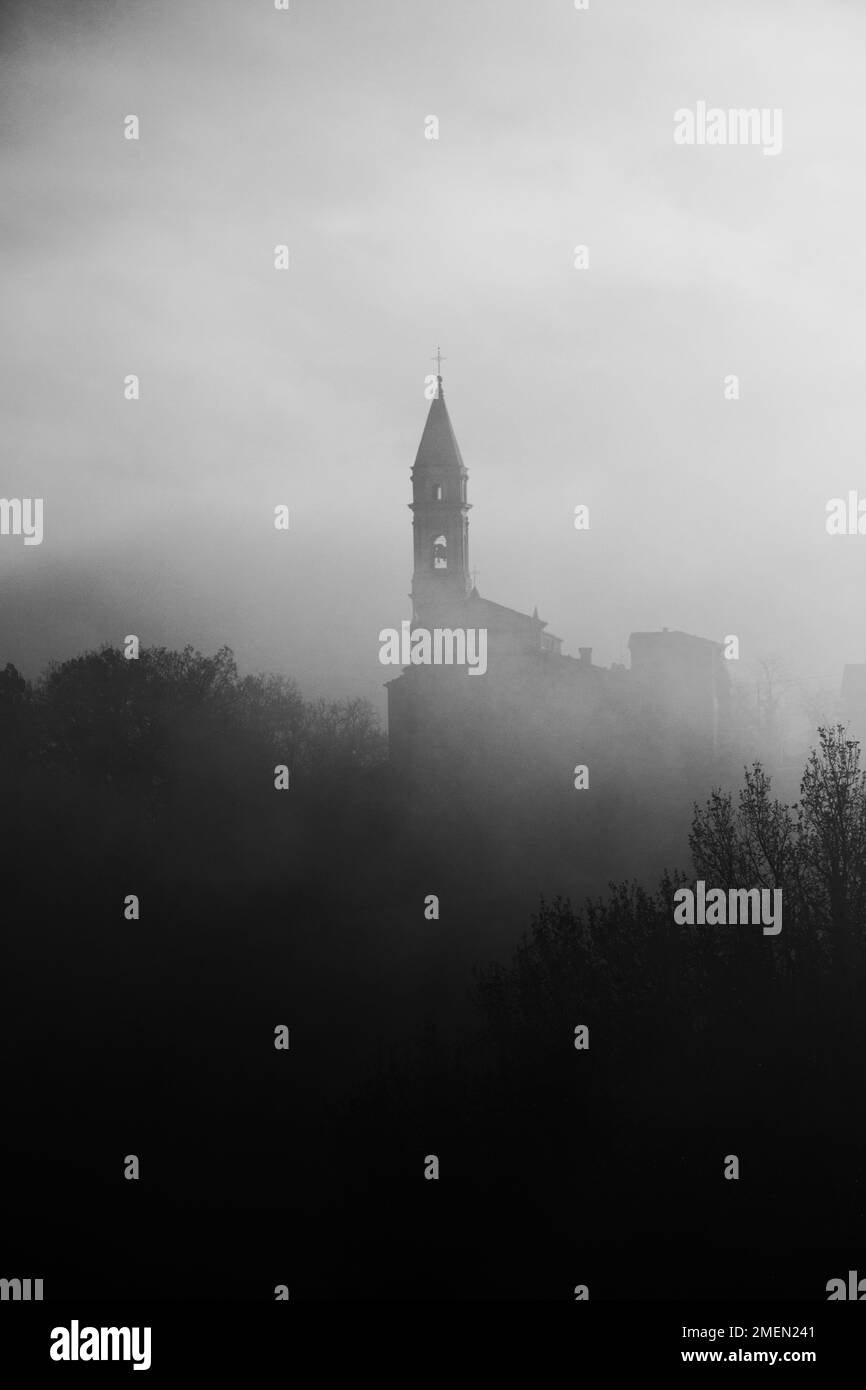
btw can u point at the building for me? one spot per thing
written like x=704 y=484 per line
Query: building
x=534 y=705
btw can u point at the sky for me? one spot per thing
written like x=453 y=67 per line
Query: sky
x=601 y=386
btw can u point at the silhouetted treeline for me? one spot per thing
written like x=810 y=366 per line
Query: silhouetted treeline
x=169 y=760
x=154 y=1035
x=143 y=722
x=704 y=1042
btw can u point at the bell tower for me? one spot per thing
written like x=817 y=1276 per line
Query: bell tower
x=440 y=518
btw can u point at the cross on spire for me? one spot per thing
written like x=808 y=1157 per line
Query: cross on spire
x=438 y=359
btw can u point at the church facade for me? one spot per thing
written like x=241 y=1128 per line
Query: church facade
x=534 y=705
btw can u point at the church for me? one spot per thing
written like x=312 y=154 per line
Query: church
x=535 y=706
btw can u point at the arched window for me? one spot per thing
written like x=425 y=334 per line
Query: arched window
x=437 y=492
x=440 y=553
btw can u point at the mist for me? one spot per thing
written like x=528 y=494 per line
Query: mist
x=228 y=823
x=306 y=388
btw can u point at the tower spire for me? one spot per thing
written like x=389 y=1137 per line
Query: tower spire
x=438 y=359
x=440 y=514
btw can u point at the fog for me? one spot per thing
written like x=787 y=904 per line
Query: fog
x=601 y=386
x=439 y=929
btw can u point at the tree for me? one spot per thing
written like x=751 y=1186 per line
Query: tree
x=623 y=952
x=815 y=851
x=831 y=839
x=12 y=683
x=748 y=844
x=771 y=687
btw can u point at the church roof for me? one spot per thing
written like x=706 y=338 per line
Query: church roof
x=671 y=639
x=496 y=609
x=500 y=614
x=439 y=448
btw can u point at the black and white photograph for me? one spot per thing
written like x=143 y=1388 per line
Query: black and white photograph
x=432 y=676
